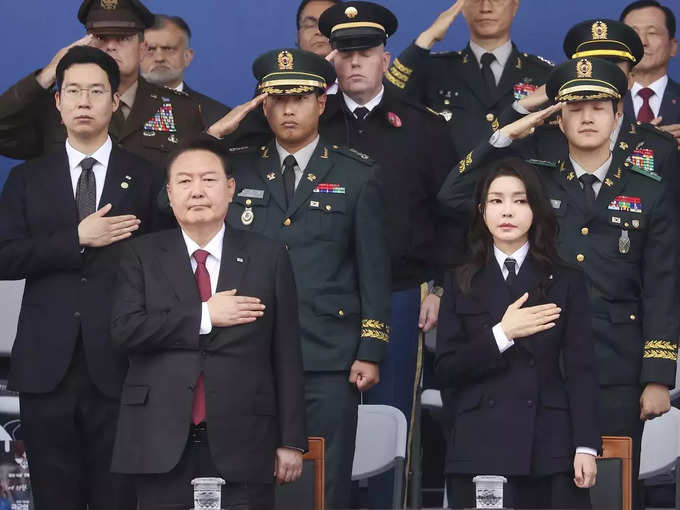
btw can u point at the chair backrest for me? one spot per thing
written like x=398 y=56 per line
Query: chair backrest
x=675 y=392
x=660 y=444
x=614 y=478
x=380 y=442
x=308 y=491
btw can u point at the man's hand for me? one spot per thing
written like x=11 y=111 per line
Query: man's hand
x=364 y=374
x=48 y=75
x=97 y=230
x=526 y=126
x=520 y=322
x=288 y=465
x=228 y=309
x=429 y=312
x=585 y=470
x=536 y=100
x=673 y=129
x=441 y=25
x=230 y=122
x=331 y=56
x=654 y=401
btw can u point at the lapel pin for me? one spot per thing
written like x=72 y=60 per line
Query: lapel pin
x=570 y=176
x=311 y=177
x=153 y=96
x=124 y=185
x=325 y=153
x=265 y=152
x=128 y=177
x=623 y=146
x=239 y=259
x=609 y=182
x=148 y=132
x=271 y=176
x=172 y=138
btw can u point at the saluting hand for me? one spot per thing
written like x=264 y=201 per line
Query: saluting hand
x=526 y=126
x=230 y=122
x=97 y=230
x=673 y=129
x=48 y=75
x=520 y=322
x=536 y=100
x=441 y=25
x=228 y=309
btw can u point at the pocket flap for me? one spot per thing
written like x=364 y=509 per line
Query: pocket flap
x=251 y=197
x=134 y=395
x=328 y=204
x=623 y=313
x=337 y=305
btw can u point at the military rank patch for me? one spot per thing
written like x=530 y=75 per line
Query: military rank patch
x=661 y=349
x=523 y=89
x=375 y=329
x=325 y=187
x=624 y=203
x=163 y=120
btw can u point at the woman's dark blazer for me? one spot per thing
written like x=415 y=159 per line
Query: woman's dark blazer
x=523 y=411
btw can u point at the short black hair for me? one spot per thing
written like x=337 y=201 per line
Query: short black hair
x=89 y=55
x=641 y=4
x=161 y=19
x=201 y=144
x=303 y=4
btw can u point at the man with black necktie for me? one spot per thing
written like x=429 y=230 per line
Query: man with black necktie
x=62 y=218
x=469 y=88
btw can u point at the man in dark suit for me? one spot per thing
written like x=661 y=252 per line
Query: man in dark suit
x=471 y=87
x=167 y=54
x=151 y=120
x=654 y=96
x=67 y=374
x=215 y=384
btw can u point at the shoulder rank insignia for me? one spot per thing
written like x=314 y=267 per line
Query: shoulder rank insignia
x=545 y=60
x=539 y=162
x=240 y=150
x=354 y=154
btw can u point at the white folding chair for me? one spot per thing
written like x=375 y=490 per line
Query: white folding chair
x=381 y=446
x=660 y=452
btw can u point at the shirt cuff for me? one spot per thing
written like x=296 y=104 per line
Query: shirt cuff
x=519 y=108
x=206 y=323
x=294 y=448
x=500 y=141
x=585 y=449
x=502 y=340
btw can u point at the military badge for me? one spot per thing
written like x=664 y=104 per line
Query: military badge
x=624 y=242
x=555 y=203
x=599 y=30
x=311 y=177
x=609 y=182
x=247 y=217
x=251 y=193
x=448 y=115
x=394 y=119
x=271 y=176
x=351 y=12
x=642 y=158
x=173 y=138
x=124 y=185
x=636 y=223
x=625 y=203
x=584 y=68
x=285 y=60
x=313 y=203
x=570 y=176
x=163 y=120
x=109 y=5
x=325 y=187
x=623 y=146
x=616 y=220
x=523 y=89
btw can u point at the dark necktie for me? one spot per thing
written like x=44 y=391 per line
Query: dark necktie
x=510 y=265
x=205 y=291
x=645 y=114
x=361 y=112
x=86 y=190
x=588 y=180
x=289 y=164
x=487 y=73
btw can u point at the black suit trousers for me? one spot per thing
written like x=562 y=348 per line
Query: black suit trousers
x=69 y=435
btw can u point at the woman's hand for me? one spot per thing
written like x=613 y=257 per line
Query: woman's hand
x=519 y=322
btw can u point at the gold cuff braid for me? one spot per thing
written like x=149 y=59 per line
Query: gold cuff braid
x=371 y=328
x=661 y=349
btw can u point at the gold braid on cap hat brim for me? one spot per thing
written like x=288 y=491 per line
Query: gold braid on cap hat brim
x=358 y=24
x=303 y=89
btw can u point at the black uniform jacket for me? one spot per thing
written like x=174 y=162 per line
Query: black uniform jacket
x=516 y=413
x=334 y=231
x=252 y=372
x=451 y=84
x=160 y=119
x=68 y=291
x=632 y=287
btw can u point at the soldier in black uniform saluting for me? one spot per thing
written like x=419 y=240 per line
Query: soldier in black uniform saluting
x=616 y=224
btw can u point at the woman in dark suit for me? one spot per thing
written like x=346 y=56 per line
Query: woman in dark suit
x=514 y=345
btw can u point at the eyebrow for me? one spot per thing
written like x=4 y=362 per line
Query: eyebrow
x=67 y=83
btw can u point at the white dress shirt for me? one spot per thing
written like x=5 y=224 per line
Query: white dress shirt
x=504 y=343
x=502 y=54
x=180 y=87
x=302 y=157
x=659 y=87
x=212 y=264
x=600 y=173
x=353 y=105
x=101 y=156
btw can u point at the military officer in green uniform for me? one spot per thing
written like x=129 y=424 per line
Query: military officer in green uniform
x=616 y=224
x=470 y=87
x=151 y=120
x=325 y=202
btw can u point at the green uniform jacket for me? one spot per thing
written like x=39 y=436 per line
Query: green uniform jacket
x=336 y=242
x=451 y=84
x=632 y=293
x=30 y=124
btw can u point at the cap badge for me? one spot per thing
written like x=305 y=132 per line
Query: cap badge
x=285 y=60
x=109 y=4
x=351 y=12
x=584 y=68
x=599 y=30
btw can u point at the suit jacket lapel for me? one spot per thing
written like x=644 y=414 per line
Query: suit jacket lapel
x=60 y=188
x=319 y=165
x=115 y=176
x=234 y=260
x=174 y=260
x=628 y=108
x=615 y=179
x=494 y=291
x=269 y=168
x=472 y=75
x=670 y=103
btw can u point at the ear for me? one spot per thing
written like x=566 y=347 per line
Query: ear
x=674 y=47
x=322 y=103
x=57 y=100
x=560 y=121
x=231 y=187
x=188 y=56
x=168 y=190
x=116 y=101
x=387 y=56
x=515 y=7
